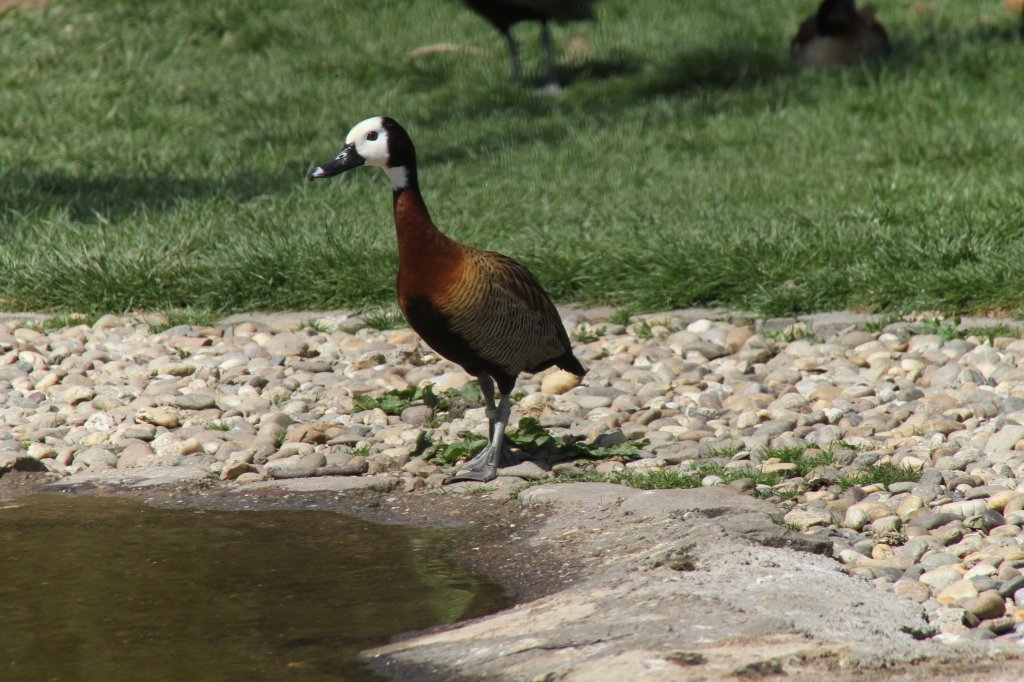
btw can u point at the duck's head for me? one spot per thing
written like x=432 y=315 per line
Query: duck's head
x=377 y=141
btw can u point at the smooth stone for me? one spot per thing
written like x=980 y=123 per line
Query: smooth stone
x=159 y=417
x=912 y=589
x=803 y=519
x=416 y=415
x=933 y=560
x=528 y=470
x=887 y=525
x=1000 y=499
x=1005 y=439
x=1011 y=587
x=930 y=520
x=988 y=604
x=356 y=466
x=97 y=458
x=961 y=589
x=999 y=626
x=559 y=382
x=233 y=470
x=908 y=505
x=195 y=401
x=964 y=508
x=135 y=455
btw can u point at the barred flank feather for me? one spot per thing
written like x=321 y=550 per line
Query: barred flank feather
x=504 y=315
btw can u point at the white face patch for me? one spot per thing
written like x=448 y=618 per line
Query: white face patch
x=399 y=177
x=371 y=141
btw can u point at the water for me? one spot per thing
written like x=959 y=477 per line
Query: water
x=110 y=589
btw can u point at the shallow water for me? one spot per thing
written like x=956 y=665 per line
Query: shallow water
x=108 y=589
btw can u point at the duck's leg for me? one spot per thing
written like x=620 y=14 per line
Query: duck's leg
x=513 y=53
x=545 y=41
x=490 y=411
x=484 y=467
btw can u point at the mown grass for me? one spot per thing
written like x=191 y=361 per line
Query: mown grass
x=153 y=156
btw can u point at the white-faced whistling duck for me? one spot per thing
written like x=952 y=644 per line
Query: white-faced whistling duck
x=838 y=33
x=480 y=309
x=504 y=13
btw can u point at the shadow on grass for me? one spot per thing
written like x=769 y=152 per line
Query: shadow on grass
x=1010 y=32
x=596 y=69
x=112 y=197
x=728 y=67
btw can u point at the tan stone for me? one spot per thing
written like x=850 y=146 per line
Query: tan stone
x=881 y=551
x=1000 y=499
x=559 y=382
x=988 y=604
x=1015 y=504
x=912 y=589
x=909 y=505
x=159 y=417
x=961 y=589
x=784 y=468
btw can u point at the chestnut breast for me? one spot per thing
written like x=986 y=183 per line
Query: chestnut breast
x=429 y=262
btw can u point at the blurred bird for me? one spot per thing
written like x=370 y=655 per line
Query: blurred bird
x=504 y=13
x=480 y=309
x=839 y=34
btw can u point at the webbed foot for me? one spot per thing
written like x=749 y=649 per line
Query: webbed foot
x=484 y=467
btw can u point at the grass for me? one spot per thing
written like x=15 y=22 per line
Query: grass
x=947 y=328
x=665 y=478
x=884 y=474
x=153 y=156
x=382 y=319
x=317 y=326
x=586 y=333
x=532 y=438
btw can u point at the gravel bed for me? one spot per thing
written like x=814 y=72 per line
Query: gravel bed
x=257 y=398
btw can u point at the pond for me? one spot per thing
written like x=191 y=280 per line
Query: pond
x=106 y=589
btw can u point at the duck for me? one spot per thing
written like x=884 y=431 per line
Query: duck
x=484 y=311
x=838 y=33
x=503 y=14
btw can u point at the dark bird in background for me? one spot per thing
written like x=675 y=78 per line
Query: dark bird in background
x=839 y=33
x=503 y=14
x=480 y=309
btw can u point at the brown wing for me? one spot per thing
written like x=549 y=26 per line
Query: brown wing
x=513 y=277
x=505 y=318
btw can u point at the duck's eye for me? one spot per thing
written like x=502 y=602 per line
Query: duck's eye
x=372 y=135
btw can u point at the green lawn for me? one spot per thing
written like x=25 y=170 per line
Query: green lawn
x=153 y=156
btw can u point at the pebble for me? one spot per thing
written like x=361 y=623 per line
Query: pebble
x=988 y=604
x=256 y=396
